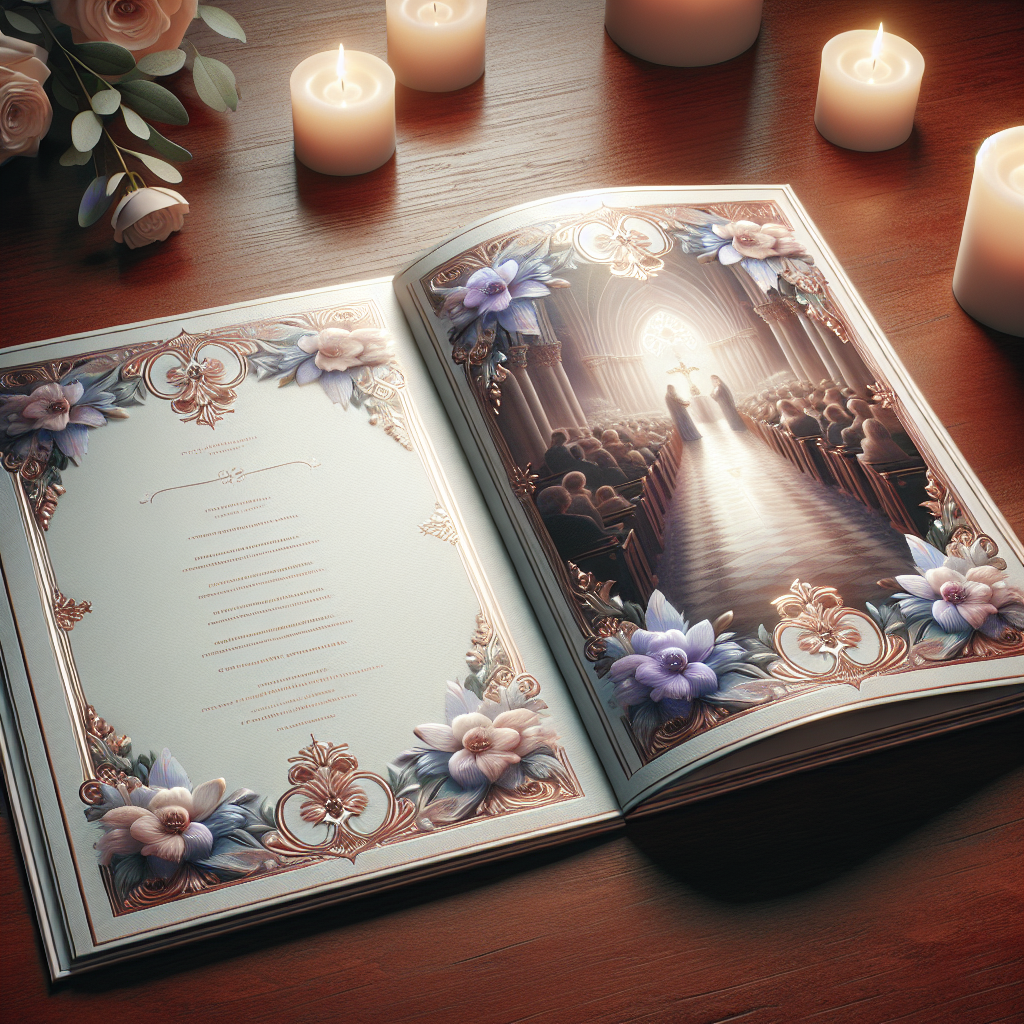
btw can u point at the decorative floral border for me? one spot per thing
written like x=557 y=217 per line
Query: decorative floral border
x=163 y=838
x=673 y=681
x=48 y=409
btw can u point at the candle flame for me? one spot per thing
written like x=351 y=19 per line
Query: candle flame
x=876 y=48
x=341 y=64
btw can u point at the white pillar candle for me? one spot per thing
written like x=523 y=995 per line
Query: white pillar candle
x=989 y=277
x=436 y=45
x=343 y=112
x=867 y=90
x=683 y=33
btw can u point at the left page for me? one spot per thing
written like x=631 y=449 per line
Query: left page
x=261 y=641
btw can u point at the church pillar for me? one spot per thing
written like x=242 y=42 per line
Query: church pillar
x=854 y=372
x=517 y=425
x=772 y=312
x=547 y=331
x=517 y=364
x=542 y=359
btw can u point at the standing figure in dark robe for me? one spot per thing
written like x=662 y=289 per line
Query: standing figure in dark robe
x=723 y=396
x=681 y=418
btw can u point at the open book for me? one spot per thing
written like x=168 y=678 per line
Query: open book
x=605 y=503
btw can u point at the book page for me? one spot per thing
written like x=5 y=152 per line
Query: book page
x=719 y=483
x=262 y=638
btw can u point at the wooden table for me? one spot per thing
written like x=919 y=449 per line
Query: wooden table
x=888 y=888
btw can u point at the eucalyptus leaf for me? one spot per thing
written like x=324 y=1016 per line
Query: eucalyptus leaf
x=106 y=101
x=63 y=95
x=221 y=22
x=154 y=101
x=95 y=202
x=163 y=62
x=166 y=148
x=135 y=123
x=215 y=83
x=115 y=180
x=72 y=157
x=105 y=58
x=159 y=167
x=23 y=24
x=86 y=130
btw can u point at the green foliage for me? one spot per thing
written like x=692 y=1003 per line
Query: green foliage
x=163 y=62
x=105 y=58
x=215 y=83
x=95 y=202
x=153 y=101
x=221 y=22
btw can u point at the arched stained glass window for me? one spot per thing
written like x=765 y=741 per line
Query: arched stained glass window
x=665 y=330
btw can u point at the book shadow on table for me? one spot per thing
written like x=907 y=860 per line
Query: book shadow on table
x=811 y=828
x=793 y=834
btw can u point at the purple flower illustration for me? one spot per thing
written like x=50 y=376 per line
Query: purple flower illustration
x=502 y=294
x=669 y=666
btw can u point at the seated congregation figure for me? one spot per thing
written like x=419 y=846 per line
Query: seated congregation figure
x=838 y=421
x=608 y=502
x=723 y=396
x=580 y=504
x=634 y=466
x=612 y=443
x=796 y=421
x=558 y=457
x=571 y=534
x=610 y=474
x=878 y=447
x=677 y=408
x=854 y=433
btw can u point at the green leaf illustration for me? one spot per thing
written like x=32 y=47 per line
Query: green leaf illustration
x=166 y=148
x=115 y=180
x=221 y=22
x=159 y=167
x=163 y=62
x=86 y=130
x=135 y=123
x=105 y=58
x=23 y=24
x=215 y=83
x=72 y=157
x=63 y=95
x=95 y=202
x=154 y=101
x=106 y=101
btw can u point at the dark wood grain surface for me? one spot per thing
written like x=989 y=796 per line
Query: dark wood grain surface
x=885 y=889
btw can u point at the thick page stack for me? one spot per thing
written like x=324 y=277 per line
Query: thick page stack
x=353 y=639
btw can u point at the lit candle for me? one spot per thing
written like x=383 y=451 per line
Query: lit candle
x=436 y=45
x=683 y=33
x=989 y=277
x=867 y=90
x=343 y=112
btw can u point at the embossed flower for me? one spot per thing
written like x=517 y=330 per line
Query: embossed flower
x=147 y=215
x=333 y=797
x=170 y=827
x=142 y=26
x=748 y=240
x=335 y=348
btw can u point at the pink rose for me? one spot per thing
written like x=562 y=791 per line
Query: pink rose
x=25 y=111
x=148 y=215
x=757 y=241
x=142 y=26
x=338 y=349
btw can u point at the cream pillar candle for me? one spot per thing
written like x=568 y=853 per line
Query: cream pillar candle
x=989 y=277
x=683 y=33
x=867 y=90
x=436 y=45
x=343 y=112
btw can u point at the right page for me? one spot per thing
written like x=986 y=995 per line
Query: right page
x=732 y=509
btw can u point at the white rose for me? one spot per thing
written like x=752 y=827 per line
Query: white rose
x=759 y=241
x=25 y=111
x=142 y=26
x=148 y=215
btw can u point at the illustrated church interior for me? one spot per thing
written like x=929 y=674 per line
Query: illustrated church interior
x=697 y=425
